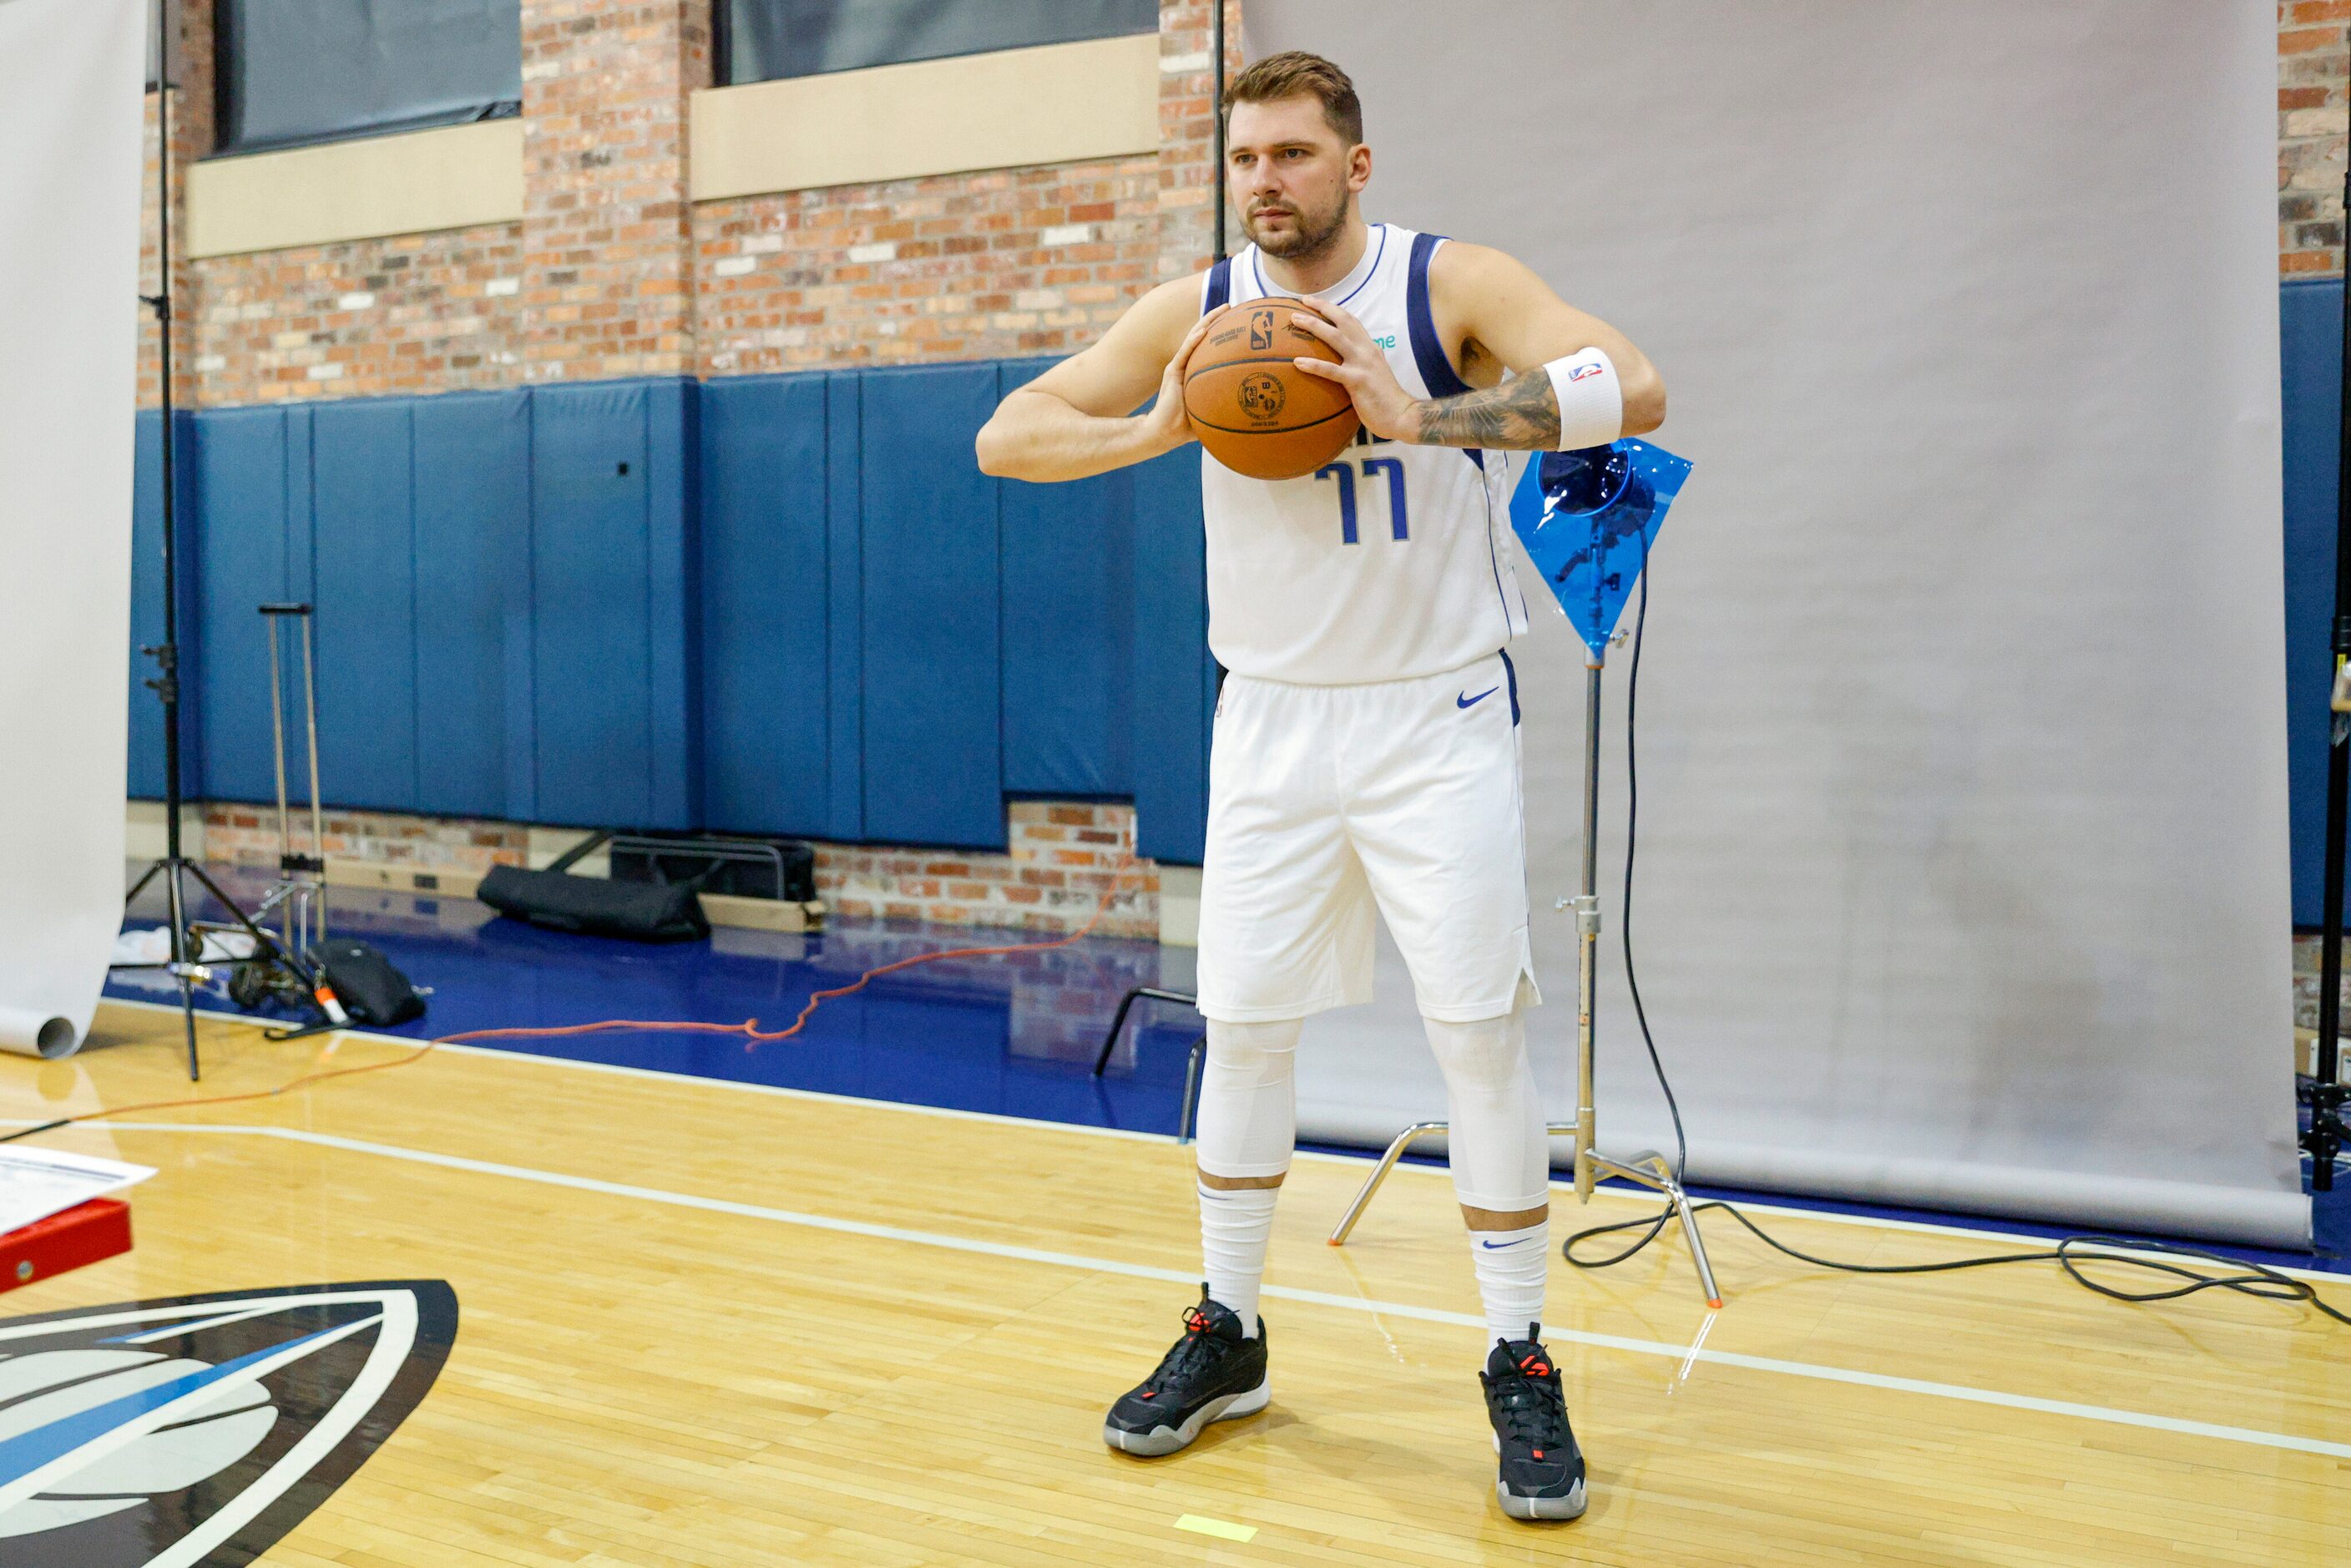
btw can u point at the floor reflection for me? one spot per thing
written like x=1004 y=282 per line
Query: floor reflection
x=1013 y=1034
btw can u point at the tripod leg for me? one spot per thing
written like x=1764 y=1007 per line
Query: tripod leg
x=265 y=941
x=141 y=886
x=1396 y=1149
x=1690 y=1230
x=180 y=960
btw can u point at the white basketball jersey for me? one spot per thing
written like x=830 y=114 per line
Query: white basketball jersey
x=1390 y=562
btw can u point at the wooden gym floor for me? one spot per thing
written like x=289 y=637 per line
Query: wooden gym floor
x=714 y=1325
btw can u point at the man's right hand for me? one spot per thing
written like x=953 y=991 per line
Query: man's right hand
x=1163 y=421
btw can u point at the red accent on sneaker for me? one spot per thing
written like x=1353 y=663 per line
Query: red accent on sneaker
x=1155 y=1396
x=1534 y=1366
x=1538 y=1453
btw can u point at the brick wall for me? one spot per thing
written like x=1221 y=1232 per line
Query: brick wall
x=2313 y=59
x=613 y=272
x=1007 y=262
x=1061 y=857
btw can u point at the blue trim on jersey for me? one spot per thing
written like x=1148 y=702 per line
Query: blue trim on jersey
x=1375 y=272
x=1436 y=369
x=1220 y=287
x=1513 y=671
x=1437 y=372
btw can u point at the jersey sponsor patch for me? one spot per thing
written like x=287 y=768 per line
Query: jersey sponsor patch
x=200 y=1429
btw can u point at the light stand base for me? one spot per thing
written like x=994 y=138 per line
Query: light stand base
x=1648 y=1169
x=188 y=945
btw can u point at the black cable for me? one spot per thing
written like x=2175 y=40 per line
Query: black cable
x=2250 y=1279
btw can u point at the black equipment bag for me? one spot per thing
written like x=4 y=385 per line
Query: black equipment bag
x=364 y=981
x=643 y=912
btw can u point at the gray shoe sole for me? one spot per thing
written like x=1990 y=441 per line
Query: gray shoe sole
x=1568 y=1507
x=1162 y=1440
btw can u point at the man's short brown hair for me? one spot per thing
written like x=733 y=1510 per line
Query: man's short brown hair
x=1298 y=74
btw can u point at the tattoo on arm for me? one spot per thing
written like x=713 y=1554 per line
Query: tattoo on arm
x=1519 y=416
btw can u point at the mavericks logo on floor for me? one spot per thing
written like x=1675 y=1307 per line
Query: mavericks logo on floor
x=201 y=1428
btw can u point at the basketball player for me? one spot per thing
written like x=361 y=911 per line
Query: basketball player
x=1365 y=751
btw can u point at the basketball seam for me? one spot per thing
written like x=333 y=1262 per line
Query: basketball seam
x=1290 y=359
x=1285 y=430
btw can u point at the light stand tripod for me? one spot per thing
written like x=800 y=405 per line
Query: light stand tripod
x=187 y=950
x=1648 y=1167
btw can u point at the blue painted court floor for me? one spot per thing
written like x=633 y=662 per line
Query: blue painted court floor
x=1012 y=1036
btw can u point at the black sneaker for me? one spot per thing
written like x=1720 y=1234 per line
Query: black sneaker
x=1212 y=1374
x=1542 y=1469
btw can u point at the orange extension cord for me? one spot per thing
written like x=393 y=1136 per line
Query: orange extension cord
x=749 y=1028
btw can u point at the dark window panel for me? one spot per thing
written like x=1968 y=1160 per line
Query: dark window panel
x=292 y=72
x=762 y=40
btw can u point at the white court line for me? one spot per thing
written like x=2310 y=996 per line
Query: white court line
x=818 y=1096
x=1188 y=1279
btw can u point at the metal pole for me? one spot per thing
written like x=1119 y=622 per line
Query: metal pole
x=166 y=681
x=318 y=865
x=1216 y=105
x=277 y=744
x=1587 y=936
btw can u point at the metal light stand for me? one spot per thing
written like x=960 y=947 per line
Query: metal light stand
x=2327 y=1135
x=1648 y=1167
x=299 y=898
x=187 y=949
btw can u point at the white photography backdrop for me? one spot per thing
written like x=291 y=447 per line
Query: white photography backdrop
x=1962 y=873
x=71 y=125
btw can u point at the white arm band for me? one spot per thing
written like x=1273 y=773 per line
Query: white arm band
x=1591 y=399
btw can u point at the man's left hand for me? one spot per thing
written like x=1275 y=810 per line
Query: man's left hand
x=1381 y=402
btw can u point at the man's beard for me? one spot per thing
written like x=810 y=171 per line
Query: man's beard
x=1310 y=235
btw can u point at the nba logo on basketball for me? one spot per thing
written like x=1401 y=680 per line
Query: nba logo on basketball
x=1261 y=330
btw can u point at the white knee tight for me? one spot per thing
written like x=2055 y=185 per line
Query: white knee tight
x=1500 y=1153
x=1248 y=1099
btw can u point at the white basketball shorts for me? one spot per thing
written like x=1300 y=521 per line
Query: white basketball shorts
x=1327 y=802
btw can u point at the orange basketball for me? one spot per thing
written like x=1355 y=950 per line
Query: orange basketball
x=1257 y=413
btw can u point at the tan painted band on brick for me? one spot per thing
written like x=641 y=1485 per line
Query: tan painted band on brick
x=1006 y=110
x=452 y=178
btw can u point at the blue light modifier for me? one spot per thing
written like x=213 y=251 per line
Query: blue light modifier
x=1588 y=519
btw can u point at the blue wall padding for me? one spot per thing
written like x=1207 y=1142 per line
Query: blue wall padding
x=240 y=462
x=1069 y=628
x=844 y=690
x=765 y=594
x=784 y=604
x=1174 y=678
x=146 y=779
x=2310 y=318
x=802 y=609
x=590 y=547
x=364 y=563
x=472 y=497
x=933 y=659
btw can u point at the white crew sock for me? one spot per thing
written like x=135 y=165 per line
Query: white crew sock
x=1235 y=1225
x=1511 y=1268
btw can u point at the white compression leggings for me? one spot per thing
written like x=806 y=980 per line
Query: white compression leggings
x=1502 y=1155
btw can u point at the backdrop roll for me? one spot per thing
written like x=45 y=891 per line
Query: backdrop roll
x=70 y=118
x=1963 y=860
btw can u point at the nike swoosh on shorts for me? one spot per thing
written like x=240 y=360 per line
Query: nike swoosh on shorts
x=1464 y=700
